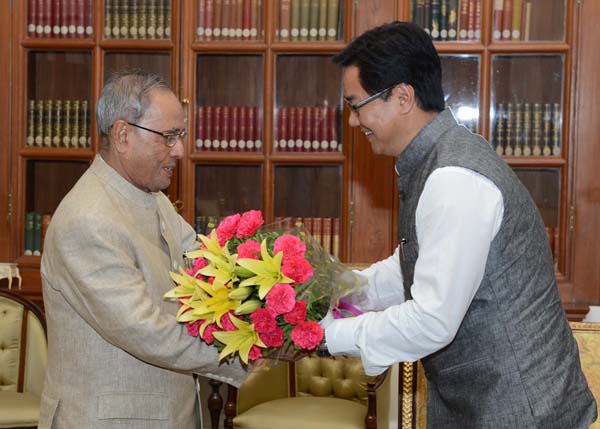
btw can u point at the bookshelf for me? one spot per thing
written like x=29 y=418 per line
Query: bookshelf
x=267 y=129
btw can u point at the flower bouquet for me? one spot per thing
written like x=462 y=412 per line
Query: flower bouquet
x=254 y=291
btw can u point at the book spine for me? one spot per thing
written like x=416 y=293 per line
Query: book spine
x=327 y=229
x=307 y=137
x=243 y=128
x=209 y=20
x=84 y=138
x=225 y=130
x=218 y=26
x=124 y=20
x=537 y=130
x=452 y=19
x=509 y=139
x=471 y=20
x=79 y=18
x=292 y=127
x=116 y=18
x=227 y=20
x=30 y=140
x=108 y=11
x=517 y=16
x=444 y=20
x=152 y=18
x=507 y=13
x=234 y=132
x=556 y=129
x=436 y=15
x=332 y=19
x=200 y=128
x=239 y=13
x=304 y=18
x=71 y=17
x=333 y=128
x=200 y=19
x=28 y=239
x=499 y=134
x=48 y=122
x=55 y=17
x=250 y=121
x=335 y=237
x=284 y=19
x=314 y=119
x=498 y=15
x=322 y=33
x=518 y=127
x=31 y=17
x=313 y=21
x=66 y=124
x=427 y=17
x=160 y=19
x=46 y=6
x=463 y=20
x=58 y=124
x=168 y=20
x=255 y=19
x=89 y=18
x=283 y=127
x=74 y=132
x=257 y=128
x=246 y=19
x=526 y=20
x=37 y=234
x=547 y=127
x=477 y=34
x=142 y=19
x=39 y=123
x=208 y=138
x=216 y=137
x=526 y=129
x=295 y=20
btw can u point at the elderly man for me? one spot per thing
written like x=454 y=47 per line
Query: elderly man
x=117 y=356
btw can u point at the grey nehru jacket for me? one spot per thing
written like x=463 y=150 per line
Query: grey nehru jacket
x=514 y=362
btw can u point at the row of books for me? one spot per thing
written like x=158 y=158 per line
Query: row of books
x=228 y=128
x=60 y=18
x=58 y=123
x=36 y=225
x=308 y=20
x=325 y=230
x=137 y=19
x=307 y=128
x=229 y=19
x=512 y=19
x=447 y=20
x=525 y=129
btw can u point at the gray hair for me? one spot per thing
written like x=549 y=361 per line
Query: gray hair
x=125 y=96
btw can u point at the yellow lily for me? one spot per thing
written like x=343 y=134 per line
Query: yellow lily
x=215 y=305
x=221 y=265
x=186 y=286
x=267 y=271
x=240 y=341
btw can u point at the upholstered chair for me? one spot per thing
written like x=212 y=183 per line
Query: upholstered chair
x=314 y=392
x=588 y=340
x=23 y=358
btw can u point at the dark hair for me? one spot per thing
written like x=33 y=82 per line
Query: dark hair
x=398 y=52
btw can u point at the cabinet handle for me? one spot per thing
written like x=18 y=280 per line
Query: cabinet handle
x=185 y=101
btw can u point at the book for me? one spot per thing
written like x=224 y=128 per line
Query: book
x=452 y=19
x=48 y=122
x=537 y=130
x=234 y=133
x=444 y=20
x=313 y=20
x=526 y=129
x=39 y=123
x=56 y=19
x=208 y=121
x=225 y=131
x=518 y=126
x=247 y=19
x=327 y=226
x=508 y=139
x=209 y=22
x=526 y=20
x=75 y=123
x=556 y=129
x=256 y=17
x=333 y=128
x=116 y=18
x=257 y=128
x=124 y=19
x=239 y=11
x=427 y=17
x=226 y=20
x=84 y=138
x=142 y=19
x=57 y=132
x=322 y=33
x=243 y=127
x=160 y=19
x=30 y=139
x=436 y=15
x=304 y=19
x=218 y=24
x=516 y=19
x=32 y=17
x=152 y=11
x=79 y=21
x=167 y=11
x=89 y=17
x=497 y=17
x=284 y=19
x=200 y=128
x=332 y=19
x=216 y=128
x=507 y=12
x=546 y=130
x=335 y=237
x=37 y=234
x=66 y=124
x=28 y=234
x=463 y=20
x=292 y=127
x=295 y=20
x=499 y=132
x=307 y=134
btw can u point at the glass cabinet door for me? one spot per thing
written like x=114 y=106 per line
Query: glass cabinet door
x=46 y=183
x=309 y=20
x=229 y=98
x=544 y=186
x=528 y=20
x=154 y=62
x=526 y=113
x=58 y=93
x=222 y=190
x=307 y=104
x=460 y=81
x=448 y=20
x=137 y=19
x=312 y=195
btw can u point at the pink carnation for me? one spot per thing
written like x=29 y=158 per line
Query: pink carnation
x=226 y=322
x=291 y=246
x=227 y=228
x=281 y=299
x=192 y=328
x=199 y=263
x=208 y=336
x=297 y=315
x=297 y=269
x=255 y=353
x=250 y=249
x=307 y=335
x=273 y=338
x=249 y=223
x=263 y=320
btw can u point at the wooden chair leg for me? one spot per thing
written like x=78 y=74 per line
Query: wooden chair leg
x=230 y=407
x=215 y=403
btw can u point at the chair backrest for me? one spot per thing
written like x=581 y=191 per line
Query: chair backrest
x=588 y=340
x=23 y=344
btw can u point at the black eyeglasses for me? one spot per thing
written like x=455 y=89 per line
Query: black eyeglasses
x=170 y=139
x=356 y=106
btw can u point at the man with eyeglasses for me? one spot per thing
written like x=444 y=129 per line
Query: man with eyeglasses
x=471 y=289
x=117 y=356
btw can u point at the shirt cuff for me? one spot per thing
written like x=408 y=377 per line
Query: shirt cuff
x=340 y=336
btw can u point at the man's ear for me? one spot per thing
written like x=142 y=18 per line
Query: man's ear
x=405 y=94
x=118 y=136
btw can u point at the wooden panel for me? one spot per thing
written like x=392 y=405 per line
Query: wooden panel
x=5 y=84
x=369 y=14
x=586 y=156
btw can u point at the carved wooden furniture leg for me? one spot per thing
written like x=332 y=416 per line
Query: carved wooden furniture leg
x=230 y=407
x=215 y=403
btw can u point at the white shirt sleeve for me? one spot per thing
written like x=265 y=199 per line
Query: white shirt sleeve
x=458 y=215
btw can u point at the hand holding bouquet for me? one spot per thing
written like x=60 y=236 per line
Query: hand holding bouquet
x=258 y=292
